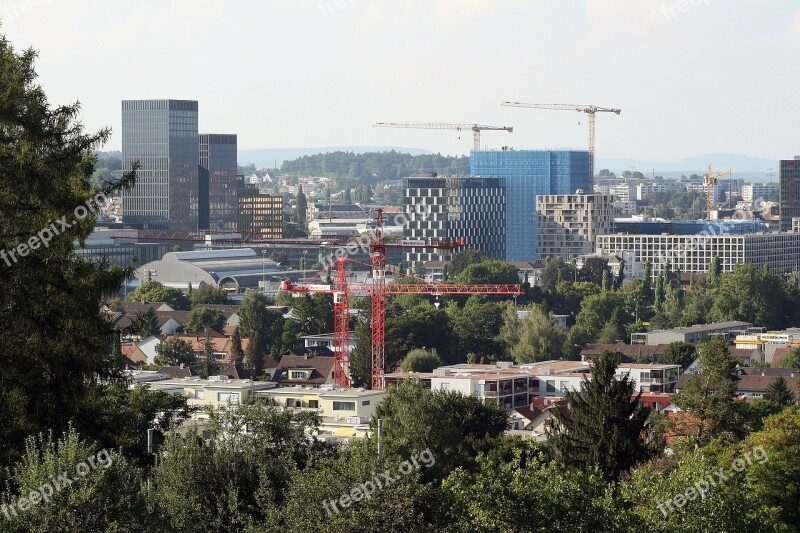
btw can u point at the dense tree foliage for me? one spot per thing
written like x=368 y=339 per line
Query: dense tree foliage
x=454 y=427
x=153 y=291
x=375 y=166
x=209 y=295
x=708 y=395
x=420 y=360
x=174 y=351
x=55 y=341
x=463 y=259
x=203 y=319
x=604 y=425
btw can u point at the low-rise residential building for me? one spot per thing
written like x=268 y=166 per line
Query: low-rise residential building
x=344 y=412
x=216 y=391
x=516 y=386
x=309 y=367
x=327 y=340
x=691 y=334
x=651 y=377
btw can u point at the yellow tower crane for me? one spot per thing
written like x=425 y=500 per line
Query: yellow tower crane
x=475 y=128
x=711 y=188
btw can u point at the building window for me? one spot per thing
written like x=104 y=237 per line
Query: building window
x=365 y=402
x=200 y=394
x=225 y=397
x=297 y=374
x=551 y=385
x=313 y=404
x=344 y=406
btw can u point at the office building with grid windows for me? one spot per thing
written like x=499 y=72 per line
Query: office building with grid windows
x=162 y=136
x=260 y=215
x=780 y=252
x=789 y=191
x=527 y=174
x=449 y=208
x=217 y=182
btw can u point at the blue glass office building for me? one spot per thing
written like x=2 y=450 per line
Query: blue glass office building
x=526 y=174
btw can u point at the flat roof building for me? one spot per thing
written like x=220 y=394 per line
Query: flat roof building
x=789 y=191
x=526 y=174
x=162 y=136
x=780 y=252
x=217 y=182
x=689 y=334
x=568 y=224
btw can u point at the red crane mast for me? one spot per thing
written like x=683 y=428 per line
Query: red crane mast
x=378 y=289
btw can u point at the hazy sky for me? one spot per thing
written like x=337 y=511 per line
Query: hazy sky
x=691 y=76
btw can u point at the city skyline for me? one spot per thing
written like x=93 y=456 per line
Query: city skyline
x=684 y=74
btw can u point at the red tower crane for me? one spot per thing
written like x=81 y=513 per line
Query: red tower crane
x=378 y=289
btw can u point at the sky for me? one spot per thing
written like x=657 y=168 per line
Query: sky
x=691 y=76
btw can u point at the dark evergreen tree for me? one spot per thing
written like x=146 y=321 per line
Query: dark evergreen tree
x=56 y=342
x=254 y=355
x=604 y=425
x=779 y=393
x=302 y=206
x=708 y=395
x=208 y=366
x=237 y=353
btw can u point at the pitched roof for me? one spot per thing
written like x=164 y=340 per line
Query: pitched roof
x=139 y=307
x=180 y=316
x=321 y=369
x=760 y=383
x=753 y=383
x=227 y=309
x=774 y=372
x=236 y=371
x=779 y=354
x=176 y=372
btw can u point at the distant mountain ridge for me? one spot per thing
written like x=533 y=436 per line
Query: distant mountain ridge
x=698 y=164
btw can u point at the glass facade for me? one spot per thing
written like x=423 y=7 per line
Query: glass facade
x=162 y=136
x=217 y=182
x=526 y=174
x=789 y=191
x=260 y=215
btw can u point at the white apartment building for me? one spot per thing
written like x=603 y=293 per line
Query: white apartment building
x=780 y=252
x=644 y=190
x=754 y=191
x=567 y=225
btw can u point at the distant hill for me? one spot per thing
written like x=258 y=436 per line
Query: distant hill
x=738 y=163
x=268 y=157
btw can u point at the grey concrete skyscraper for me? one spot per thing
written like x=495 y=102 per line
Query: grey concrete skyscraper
x=218 y=165
x=162 y=136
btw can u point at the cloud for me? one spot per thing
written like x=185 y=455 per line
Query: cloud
x=796 y=24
